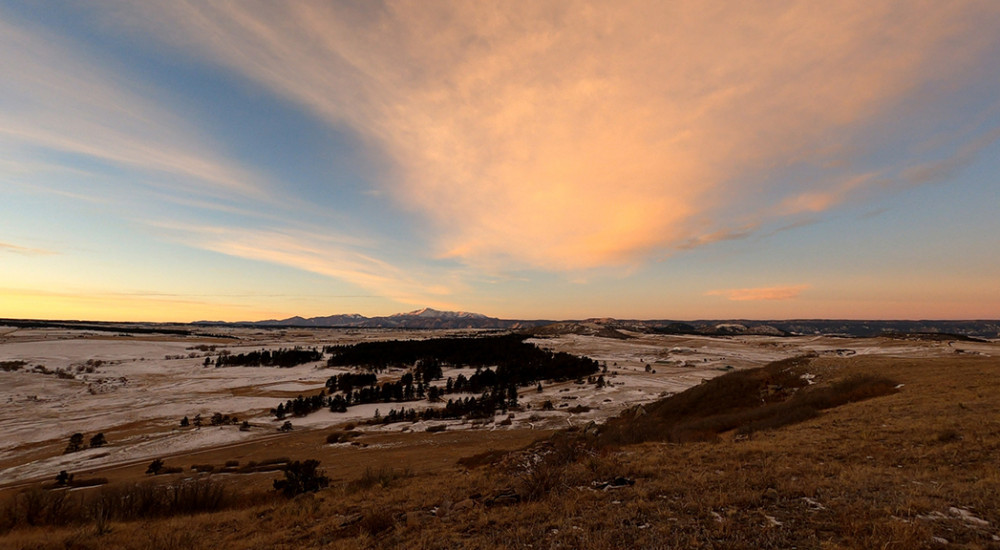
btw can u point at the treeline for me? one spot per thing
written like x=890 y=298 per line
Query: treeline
x=301 y=406
x=386 y=392
x=284 y=358
x=453 y=351
x=503 y=363
x=516 y=361
x=485 y=406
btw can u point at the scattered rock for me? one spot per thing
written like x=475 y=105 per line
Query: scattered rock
x=968 y=517
x=616 y=483
x=813 y=505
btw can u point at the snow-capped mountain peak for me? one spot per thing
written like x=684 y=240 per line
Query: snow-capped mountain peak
x=430 y=313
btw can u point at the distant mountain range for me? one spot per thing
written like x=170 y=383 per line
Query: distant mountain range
x=428 y=318
x=425 y=318
x=602 y=327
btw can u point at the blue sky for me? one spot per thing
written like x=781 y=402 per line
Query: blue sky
x=240 y=161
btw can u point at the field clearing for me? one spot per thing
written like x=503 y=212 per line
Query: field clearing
x=913 y=469
x=135 y=389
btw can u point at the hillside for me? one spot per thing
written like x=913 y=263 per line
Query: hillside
x=914 y=468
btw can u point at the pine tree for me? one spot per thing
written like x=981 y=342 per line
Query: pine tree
x=155 y=467
x=75 y=443
x=64 y=478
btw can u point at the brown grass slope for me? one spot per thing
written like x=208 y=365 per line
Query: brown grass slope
x=765 y=398
x=917 y=468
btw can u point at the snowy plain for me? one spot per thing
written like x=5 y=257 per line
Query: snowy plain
x=136 y=388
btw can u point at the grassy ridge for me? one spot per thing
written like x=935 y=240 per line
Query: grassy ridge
x=751 y=400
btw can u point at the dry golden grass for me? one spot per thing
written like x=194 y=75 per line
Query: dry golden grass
x=914 y=469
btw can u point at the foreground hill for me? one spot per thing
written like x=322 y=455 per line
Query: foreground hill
x=913 y=466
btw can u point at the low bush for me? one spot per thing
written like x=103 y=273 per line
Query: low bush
x=36 y=506
x=301 y=477
x=376 y=520
x=12 y=365
x=948 y=436
x=341 y=437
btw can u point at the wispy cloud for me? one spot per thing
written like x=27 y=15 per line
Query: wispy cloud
x=338 y=256
x=941 y=169
x=571 y=136
x=717 y=236
x=58 y=100
x=759 y=294
x=26 y=251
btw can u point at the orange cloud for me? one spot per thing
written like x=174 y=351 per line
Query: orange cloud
x=759 y=294
x=568 y=136
x=340 y=257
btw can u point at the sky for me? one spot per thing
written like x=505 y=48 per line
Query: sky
x=211 y=160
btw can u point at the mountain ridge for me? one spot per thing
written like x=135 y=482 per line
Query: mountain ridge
x=429 y=318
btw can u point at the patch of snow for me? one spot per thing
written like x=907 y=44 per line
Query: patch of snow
x=968 y=517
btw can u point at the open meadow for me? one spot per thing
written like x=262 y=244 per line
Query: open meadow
x=916 y=465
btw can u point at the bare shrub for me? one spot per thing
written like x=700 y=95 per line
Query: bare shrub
x=35 y=506
x=948 y=436
x=383 y=477
x=341 y=436
x=301 y=477
x=148 y=500
x=376 y=520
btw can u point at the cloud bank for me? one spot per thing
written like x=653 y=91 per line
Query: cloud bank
x=567 y=136
x=759 y=294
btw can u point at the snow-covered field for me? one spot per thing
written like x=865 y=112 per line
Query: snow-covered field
x=135 y=389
